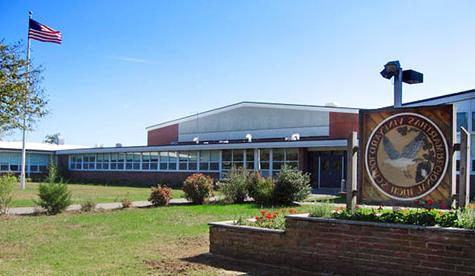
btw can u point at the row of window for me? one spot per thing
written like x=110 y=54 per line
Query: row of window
x=271 y=160
x=35 y=163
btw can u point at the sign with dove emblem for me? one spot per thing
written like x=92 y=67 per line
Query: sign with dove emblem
x=406 y=154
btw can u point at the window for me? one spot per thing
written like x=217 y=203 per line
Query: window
x=89 y=162
x=114 y=159
x=473 y=121
x=265 y=161
x=461 y=120
x=172 y=159
x=129 y=161
x=183 y=159
x=278 y=159
x=102 y=161
x=292 y=158
x=204 y=160
x=214 y=160
x=146 y=161
x=192 y=165
x=154 y=161
x=250 y=159
x=163 y=161
x=120 y=161
x=227 y=161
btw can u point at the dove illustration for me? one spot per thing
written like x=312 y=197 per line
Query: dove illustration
x=407 y=157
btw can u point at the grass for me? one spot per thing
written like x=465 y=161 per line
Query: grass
x=86 y=192
x=125 y=242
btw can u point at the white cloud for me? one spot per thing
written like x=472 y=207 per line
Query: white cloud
x=132 y=60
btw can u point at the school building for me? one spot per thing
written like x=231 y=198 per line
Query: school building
x=255 y=135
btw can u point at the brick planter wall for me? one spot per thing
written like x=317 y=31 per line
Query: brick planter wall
x=350 y=247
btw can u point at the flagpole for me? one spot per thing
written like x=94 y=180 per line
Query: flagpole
x=23 y=148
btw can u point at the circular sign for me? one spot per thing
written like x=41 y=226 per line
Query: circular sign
x=406 y=156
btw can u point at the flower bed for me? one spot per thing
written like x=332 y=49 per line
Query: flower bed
x=268 y=219
x=350 y=247
x=421 y=216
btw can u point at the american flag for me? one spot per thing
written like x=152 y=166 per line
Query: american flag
x=43 y=33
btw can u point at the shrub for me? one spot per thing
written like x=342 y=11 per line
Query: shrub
x=291 y=185
x=466 y=218
x=160 y=195
x=198 y=188
x=425 y=217
x=251 y=183
x=234 y=186
x=263 y=191
x=322 y=209
x=88 y=206
x=54 y=197
x=126 y=203
x=7 y=184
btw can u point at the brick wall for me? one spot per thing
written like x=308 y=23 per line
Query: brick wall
x=173 y=179
x=342 y=124
x=350 y=248
x=163 y=136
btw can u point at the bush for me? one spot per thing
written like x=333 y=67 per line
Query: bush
x=263 y=191
x=466 y=218
x=322 y=210
x=126 y=203
x=234 y=186
x=7 y=184
x=425 y=217
x=54 y=197
x=160 y=195
x=251 y=183
x=88 y=206
x=291 y=185
x=198 y=188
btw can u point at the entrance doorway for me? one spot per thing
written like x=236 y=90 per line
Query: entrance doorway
x=327 y=169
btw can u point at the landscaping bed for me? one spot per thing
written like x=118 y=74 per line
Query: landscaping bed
x=350 y=247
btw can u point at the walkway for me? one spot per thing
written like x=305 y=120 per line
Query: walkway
x=99 y=206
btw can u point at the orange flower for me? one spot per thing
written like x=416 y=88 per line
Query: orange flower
x=276 y=213
x=263 y=212
x=268 y=216
x=284 y=210
x=292 y=211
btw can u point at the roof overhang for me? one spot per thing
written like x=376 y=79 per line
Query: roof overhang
x=340 y=143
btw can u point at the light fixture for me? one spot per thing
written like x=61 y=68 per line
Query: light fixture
x=295 y=137
x=393 y=69
x=196 y=140
x=249 y=137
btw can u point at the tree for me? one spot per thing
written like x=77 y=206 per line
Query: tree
x=21 y=96
x=52 y=138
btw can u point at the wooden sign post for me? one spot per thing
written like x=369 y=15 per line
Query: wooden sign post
x=464 y=178
x=352 y=161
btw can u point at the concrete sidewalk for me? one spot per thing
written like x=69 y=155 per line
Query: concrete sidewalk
x=18 y=211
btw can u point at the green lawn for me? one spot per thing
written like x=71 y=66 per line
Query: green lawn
x=85 y=192
x=123 y=242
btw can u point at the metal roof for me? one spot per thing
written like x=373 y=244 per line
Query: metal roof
x=254 y=104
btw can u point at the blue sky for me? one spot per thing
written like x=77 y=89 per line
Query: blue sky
x=125 y=65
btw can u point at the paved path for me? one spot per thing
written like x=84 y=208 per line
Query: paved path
x=99 y=206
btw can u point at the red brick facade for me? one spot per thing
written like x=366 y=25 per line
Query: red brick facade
x=350 y=248
x=125 y=178
x=162 y=136
x=342 y=124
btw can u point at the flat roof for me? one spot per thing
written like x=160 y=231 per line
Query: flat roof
x=320 y=143
x=34 y=146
